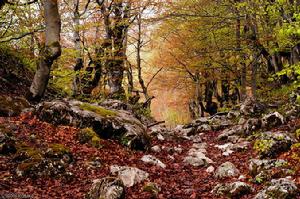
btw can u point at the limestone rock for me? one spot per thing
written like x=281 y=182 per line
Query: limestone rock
x=251 y=107
x=232 y=190
x=130 y=176
x=153 y=160
x=272 y=120
x=196 y=156
x=270 y=144
x=279 y=188
x=108 y=124
x=108 y=188
x=226 y=169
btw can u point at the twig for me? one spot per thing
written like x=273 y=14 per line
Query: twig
x=156 y=123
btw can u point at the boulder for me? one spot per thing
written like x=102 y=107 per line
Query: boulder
x=232 y=190
x=272 y=120
x=12 y=106
x=220 y=122
x=130 y=176
x=226 y=170
x=251 y=107
x=108 y=188
x=43 y=162
x=108 y=124
x=270 y=144
x=196 y=156
x=204 y=128
x=265 y=170
x=116 y=105
x=257 y=166
x=280 y=188
x=229 y=148
x=251 y=125
x=234 y=130
x=153 y=160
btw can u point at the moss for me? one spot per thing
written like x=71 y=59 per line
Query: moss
x=96 y=142
x=25 y=152
x=297 y=134
x=59 y=149
x=88 y=135
x=98 y=110
x=262 y=146
x=151 y=188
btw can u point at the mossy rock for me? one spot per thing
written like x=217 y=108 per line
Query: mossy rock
x=88 y=135
x=59 y=151
x=98 y=110
x=151 y=188
x=25 y=152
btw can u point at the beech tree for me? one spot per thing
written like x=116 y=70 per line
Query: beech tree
x=49 y=53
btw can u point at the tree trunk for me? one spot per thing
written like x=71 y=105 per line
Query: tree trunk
x=49 y=53
x=77 y=41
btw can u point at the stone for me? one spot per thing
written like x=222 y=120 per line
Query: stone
x=232 y=190
x=196 y=155
x=225 y=170
x=130 y=176
x=156 y=149
x=233 y=114
x=153 y=160
x=251 y=125
x=108 y=124
x=108 y=188
x=197 y=159
x=234 y=130
x=257 y=166
x=178 y=150
x=160 y=137
x=210 y=169
x=251 y=107
x=279 y=188
x=204 y=128
x=152 y=188
x=33 y=162
x=272 y=120
x=270 y=144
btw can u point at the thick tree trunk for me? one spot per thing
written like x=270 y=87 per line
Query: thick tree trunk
x=49 y=53
x=115 y=28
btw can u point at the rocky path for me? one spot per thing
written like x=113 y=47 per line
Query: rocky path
x=177 y=180
x=208 y=162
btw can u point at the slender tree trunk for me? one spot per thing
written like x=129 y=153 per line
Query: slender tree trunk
x=49 y=53
x=139 y=60
x=77 y=41
x=243 y=75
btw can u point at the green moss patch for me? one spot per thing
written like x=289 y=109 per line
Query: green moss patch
x=89 y=136
x=98 y=110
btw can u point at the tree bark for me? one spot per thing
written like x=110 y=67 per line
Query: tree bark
x=50 y=52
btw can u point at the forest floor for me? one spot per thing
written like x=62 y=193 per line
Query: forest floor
x=178 y=180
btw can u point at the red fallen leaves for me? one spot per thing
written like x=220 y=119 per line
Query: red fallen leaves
x=177 y=181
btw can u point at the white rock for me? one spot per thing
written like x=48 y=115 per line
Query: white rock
x=153 y=160
x=156 y=149
x=210 y=169
x=160 y=137
x=129 y=175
